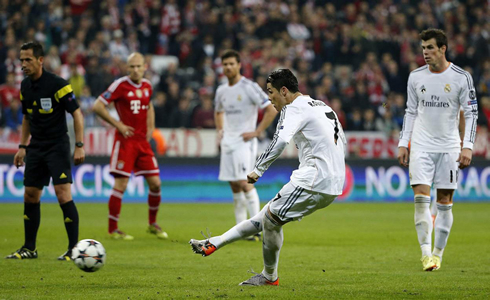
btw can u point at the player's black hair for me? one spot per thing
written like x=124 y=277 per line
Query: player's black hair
x=37 y=49
x=283 y=77
x=432 y=33
x=231 y=53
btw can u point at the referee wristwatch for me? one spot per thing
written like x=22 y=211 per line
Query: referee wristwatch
x=79 y=144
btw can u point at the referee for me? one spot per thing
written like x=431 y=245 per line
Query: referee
x=45 y=97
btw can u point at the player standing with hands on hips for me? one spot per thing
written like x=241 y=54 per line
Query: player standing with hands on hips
x=45 y=98
x=318 y=135
x=132 y=151
x=236 y=109
x=435 y=93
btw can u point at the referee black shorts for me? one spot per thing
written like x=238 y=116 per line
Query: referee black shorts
x=46 y=159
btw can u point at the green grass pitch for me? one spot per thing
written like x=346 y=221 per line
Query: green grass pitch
x=346 y=251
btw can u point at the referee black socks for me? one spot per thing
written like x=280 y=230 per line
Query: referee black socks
x=32 y=218
x=70 y=217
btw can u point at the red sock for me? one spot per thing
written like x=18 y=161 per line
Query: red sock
x=114 y=209
x=153 y=204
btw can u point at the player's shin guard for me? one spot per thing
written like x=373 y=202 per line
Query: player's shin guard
x=443 y=224
x=240 y=207
x=154 y=198
x=70 y=217
x=32 y=218
x=253 y=202
x=273 y=239
x=423 y=223
x=114 y=209
x=245 y=228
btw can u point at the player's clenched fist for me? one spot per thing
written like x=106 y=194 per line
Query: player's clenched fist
x=252 y=177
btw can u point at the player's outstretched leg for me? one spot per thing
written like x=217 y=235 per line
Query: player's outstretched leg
x=246 y=228
x=443 y=224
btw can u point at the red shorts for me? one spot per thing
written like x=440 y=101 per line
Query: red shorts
x=133 y=155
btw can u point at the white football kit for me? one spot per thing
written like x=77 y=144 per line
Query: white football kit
x=240 y=104
x=321 y=143
x=431 y=124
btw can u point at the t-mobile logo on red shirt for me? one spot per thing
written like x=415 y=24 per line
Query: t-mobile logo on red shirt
x=135 y=106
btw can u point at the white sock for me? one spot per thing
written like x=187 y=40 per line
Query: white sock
x=443 y=224
x=423 y=223
x=433 y=204
x=240 y=207
x=253 y=202
x=273 y=239
x=241 y=230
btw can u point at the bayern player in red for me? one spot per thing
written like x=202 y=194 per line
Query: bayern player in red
x=131 y=151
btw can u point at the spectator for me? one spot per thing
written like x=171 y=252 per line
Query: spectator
x=162 y=112
x=204 y=113
x=8 y=91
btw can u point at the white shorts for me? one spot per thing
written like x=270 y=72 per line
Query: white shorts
x=237 y=164
x=440 y=169
x=293 y=202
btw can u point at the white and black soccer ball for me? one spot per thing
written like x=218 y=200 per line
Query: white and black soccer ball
x=89 y=255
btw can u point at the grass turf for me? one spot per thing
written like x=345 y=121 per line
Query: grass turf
x=345 y=251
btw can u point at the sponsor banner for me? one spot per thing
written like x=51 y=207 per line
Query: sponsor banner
x=204 y=143
x=195 y=180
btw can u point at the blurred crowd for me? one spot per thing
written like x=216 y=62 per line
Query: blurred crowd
x=354 y=55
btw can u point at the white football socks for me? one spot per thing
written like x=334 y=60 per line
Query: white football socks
x=443 y=224
x=273 y=240
x=423 y=223
x=240 y=207
x=433 y=205
x=243 y=229
x=253 y=202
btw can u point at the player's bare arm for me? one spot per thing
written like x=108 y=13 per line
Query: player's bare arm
x=403 y=156
x=465 y=158
x=150 y=122
x=24 y=139
x=269 y=115
x=100 y=109
x=218 y=121
x=79 y=155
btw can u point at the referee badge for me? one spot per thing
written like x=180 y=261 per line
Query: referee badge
x=46 y=104
x=447 y=88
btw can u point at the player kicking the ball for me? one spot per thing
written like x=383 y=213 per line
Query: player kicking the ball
x=316 y=131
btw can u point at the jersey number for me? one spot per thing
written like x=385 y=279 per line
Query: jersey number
x=331 y=116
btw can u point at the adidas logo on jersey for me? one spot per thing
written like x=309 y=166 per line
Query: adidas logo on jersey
x=62 y=176
x=130 y=94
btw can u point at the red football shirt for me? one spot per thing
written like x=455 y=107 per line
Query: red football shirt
x=7 y=94
x=131 y=101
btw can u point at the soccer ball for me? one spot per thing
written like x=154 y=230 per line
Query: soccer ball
x=89 y=255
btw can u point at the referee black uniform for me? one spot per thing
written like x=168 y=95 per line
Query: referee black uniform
x=45 y=102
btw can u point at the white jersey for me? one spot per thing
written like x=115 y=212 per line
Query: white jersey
x=240 y=104
x=433 y=105
x=321 y=143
